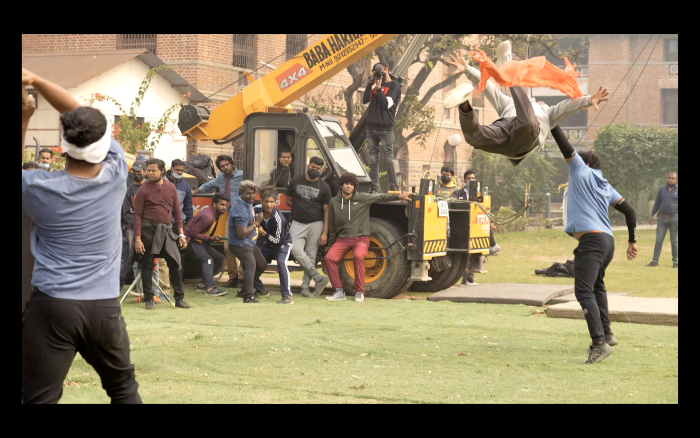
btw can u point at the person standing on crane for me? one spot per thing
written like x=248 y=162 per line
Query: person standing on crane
x=523 y=123
x=383 y=96
x=447 y=181
x=589 y=197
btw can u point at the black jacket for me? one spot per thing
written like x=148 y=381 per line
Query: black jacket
x=382 y=105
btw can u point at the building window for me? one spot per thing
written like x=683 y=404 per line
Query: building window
x=137 y=41
x=296 y=42
x=446 y=114
x=244 y=50
x=669 y=98
x=671 y=50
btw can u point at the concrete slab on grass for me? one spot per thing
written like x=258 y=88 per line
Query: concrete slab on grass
x=504 y=293
x=656 y=311
x=572 y=297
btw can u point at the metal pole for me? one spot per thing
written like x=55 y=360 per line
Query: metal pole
x=548 y=210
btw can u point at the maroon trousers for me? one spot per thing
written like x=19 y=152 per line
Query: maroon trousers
x=359 y=246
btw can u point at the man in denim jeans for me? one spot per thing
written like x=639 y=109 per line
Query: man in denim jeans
x=666 y=205
x=383 y=96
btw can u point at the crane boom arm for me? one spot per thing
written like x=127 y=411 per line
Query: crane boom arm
x=288 y=82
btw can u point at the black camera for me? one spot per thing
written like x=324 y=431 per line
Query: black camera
x=378 y=75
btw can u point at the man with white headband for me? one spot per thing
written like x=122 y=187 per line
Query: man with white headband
x=76 y=241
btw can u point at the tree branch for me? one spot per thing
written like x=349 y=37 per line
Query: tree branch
x=432 y=90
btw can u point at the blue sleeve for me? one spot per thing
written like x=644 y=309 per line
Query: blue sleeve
x=614 y=195
x=28 y=201
x=187 y=204
x=657 y=203
x=576 y=164
x=235 y=182
x=116 y=153
x=240 y=221
x=209 y=185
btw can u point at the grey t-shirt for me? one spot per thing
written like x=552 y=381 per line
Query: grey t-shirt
x=76 y=233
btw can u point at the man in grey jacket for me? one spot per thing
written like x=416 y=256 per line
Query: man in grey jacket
x=523 y=124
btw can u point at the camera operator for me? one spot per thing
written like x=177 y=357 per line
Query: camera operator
x=383 y=96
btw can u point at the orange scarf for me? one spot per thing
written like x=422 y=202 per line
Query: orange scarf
x=533 y=72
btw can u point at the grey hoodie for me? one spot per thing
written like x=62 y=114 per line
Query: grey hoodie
x=350 y=217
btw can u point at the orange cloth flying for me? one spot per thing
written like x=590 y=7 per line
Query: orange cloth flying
x=534 y=72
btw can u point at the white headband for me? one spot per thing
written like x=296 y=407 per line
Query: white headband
x=92 y=153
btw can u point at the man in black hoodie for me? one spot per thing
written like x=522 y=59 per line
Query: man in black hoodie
x=383 y=96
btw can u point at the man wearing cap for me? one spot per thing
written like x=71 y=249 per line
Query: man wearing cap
x=383 y=96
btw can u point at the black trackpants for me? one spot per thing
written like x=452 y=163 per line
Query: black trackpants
x=592 y=256
x=210 y=259
x=54 y=329
x=146 y=265
x=510 y=136
x=254 y=264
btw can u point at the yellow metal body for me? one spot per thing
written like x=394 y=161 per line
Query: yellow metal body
x=288 y=82
x=434 y=229
x=480 y=228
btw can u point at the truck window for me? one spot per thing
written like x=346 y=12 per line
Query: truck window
x=265 y=156
x=340 y=148
x=312 y=150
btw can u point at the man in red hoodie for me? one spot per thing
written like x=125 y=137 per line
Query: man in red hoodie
x=199 y=234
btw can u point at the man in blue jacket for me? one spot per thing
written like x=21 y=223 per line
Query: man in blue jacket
x=184 y=194
x=226 y=182
x=274 y=241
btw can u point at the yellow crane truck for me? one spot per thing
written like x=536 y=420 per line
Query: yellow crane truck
x=409 y=241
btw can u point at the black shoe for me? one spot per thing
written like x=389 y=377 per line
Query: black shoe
x=372 y=192
x=201 y=288
x=261 y=293
x=610 y=339
x=653 y=264
x=182 y=304
x=675 y=266
x=250 y=300
x=231 y=283
x=286 y=299
x=240 y=294
x=599 y=352
x=215 y=292
x=150 y=305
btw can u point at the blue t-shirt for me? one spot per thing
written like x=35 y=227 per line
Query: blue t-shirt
x=76 y=234
x=241 y=215
x=588 y=197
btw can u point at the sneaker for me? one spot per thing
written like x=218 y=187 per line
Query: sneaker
x=215 y=292
x=306 y=293
x=504 y=52
x=250 y=300
x=359 y=297
x=470 y=284
x=240 y=294
x=201 y=287
x=598 y=353
x=231 y=283
x=286 y=299
x=457 y=95
x=610 y=339
x=653 y=264
x=261 y=293
x=494 y=249
x=150 y=305
x=320 y=285
x=338 y=295
x=182 y=304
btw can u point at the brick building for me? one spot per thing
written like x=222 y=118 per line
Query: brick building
x=214 y=64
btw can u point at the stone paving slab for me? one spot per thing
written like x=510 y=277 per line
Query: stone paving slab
x=504 y=293
x=571 y=297
x=640 y=310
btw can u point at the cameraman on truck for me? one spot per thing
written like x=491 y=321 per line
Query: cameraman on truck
x=383 y=96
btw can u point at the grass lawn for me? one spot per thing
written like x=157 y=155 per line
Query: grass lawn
x=402 y=351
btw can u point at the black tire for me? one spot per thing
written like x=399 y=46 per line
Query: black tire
x=395 y=278
x=445 y=278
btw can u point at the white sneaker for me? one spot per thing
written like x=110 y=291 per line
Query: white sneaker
x=359 y=297
x=457 y=95
x=472 y=284
x=338 y=295
x=505 y=53
x=494 y=249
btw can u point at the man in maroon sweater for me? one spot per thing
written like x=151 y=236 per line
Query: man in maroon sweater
x=200 y=233
x=155 y=204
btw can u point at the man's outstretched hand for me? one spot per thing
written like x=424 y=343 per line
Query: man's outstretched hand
x=632 y=251
x=405 y=196
x=456 y=60
x=599 y=96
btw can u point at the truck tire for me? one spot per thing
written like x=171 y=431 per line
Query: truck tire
x=445 y=278
x=384 y=278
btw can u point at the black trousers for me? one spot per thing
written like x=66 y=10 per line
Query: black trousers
x=593 y=254
x=254 y=264
x=210 y=259
x=509 y=136
x=54 y=329
x=146 y=265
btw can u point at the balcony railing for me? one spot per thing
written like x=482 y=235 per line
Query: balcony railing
x=137 y=41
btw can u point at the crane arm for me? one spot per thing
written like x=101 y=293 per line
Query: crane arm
x=288 y=82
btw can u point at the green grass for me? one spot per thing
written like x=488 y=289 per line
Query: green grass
x=401 y=351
